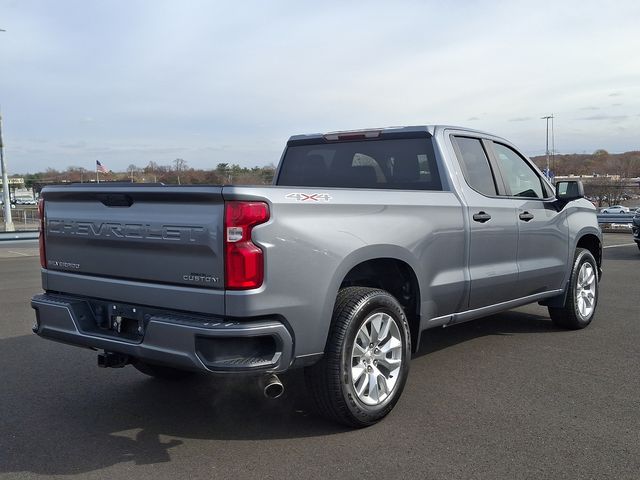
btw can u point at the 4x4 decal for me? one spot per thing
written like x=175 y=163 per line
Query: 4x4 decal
x=309 y=197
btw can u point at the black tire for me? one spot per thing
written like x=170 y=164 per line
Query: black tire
x=162 y=372
x=569 y=316
x=330 y=380
x=638 y=244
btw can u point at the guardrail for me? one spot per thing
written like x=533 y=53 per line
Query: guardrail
x=29 y=235
x=626 y=218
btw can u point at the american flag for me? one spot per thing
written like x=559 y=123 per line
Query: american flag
x=101 y=168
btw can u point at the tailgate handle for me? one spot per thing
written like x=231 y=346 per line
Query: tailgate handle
x=115 y=200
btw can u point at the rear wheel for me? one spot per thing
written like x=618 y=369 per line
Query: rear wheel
x=582 y=297
x=366 y=361
x=162 y=372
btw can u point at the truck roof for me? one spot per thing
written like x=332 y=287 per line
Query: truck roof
x=388 y=132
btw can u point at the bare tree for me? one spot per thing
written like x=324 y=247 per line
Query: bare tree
x=179 y=165
x=75 y=174
x=598 y=190
x=609 y=190
x=132 y=169
x=152 y=168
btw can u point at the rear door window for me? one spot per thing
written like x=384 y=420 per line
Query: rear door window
x=400 y=164
x=475 y=165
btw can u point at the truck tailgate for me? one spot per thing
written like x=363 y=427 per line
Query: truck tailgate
x=158 y=234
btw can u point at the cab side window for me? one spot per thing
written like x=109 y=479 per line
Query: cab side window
x=521 y=179
x=475 y=165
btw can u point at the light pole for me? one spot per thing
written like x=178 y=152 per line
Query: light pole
x=8 y=222
x=547 y=117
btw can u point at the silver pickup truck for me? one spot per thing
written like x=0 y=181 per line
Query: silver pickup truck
x=366 y=239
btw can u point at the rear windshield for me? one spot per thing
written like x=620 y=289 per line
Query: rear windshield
x=404 y=164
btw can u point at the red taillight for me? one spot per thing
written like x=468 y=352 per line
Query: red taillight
x=244 y=261
x=43 y=253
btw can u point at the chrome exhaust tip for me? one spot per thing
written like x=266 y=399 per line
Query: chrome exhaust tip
x=271 y=386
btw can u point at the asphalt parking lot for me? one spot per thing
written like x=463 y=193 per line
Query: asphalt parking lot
x=506 y=397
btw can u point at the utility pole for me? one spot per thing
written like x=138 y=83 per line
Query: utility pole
x=8 y=222
x=547 y=117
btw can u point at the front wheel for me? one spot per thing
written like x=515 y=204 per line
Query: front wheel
x=582 y=298
x=366 y=362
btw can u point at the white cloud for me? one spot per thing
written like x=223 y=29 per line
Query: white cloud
x=229 y=82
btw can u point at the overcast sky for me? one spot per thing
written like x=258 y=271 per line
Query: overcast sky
x=136 y=81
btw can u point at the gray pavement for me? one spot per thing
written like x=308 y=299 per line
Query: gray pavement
x=506 y=397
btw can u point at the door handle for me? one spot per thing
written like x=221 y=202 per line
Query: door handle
x=481 y=217
x=526 y=216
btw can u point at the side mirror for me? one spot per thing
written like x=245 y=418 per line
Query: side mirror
x=567 y=190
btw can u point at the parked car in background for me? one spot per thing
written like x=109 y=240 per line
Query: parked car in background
x=25 y=201
x=615 y=209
